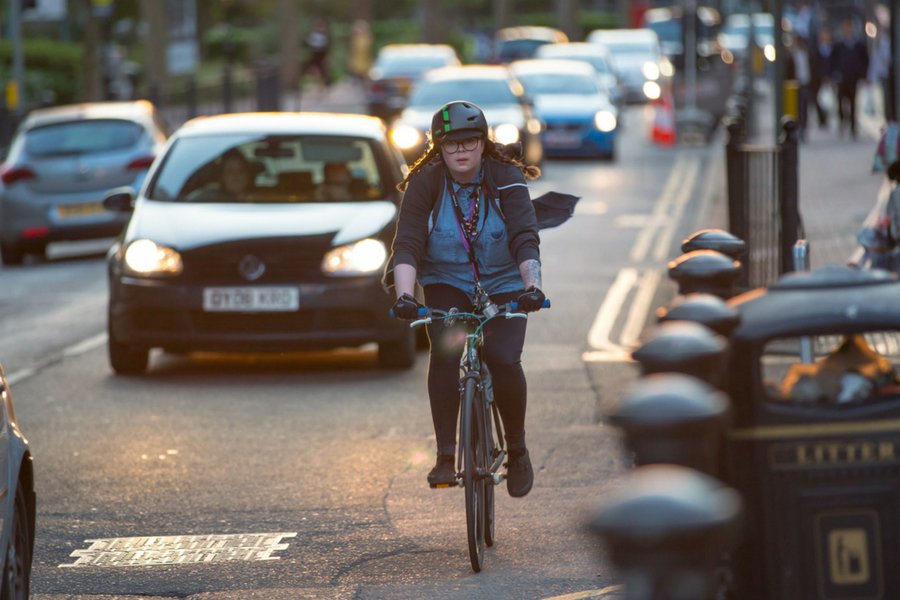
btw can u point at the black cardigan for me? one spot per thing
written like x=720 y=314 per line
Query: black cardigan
x=506 y=189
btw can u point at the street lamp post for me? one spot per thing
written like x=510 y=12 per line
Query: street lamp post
x=15 y=94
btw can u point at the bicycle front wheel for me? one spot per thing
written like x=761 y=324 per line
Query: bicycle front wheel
x=470 y=426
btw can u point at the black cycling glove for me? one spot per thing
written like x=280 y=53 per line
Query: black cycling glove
x=406 y=307
x=531 y=300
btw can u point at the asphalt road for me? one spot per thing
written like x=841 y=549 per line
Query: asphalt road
x=303 y=475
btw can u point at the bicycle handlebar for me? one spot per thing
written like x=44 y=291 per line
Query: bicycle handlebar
x=508 y=308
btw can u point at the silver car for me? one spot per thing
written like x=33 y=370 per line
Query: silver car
x=17 y=501
x=61 y=163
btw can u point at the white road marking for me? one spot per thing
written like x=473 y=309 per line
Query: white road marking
x=598 y=336
x=656 y=234
x=645 y=237
x=589 y=594
x=76 y=349
x=640 y=307
x=679 y=203
x=85 y=345
x=179 y=550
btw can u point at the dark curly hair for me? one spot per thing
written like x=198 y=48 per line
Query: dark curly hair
x=499 y=152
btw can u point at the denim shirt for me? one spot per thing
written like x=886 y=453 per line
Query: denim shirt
x=446 y=259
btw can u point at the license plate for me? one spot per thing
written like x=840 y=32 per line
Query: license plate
x=562 y=139
x=251 y=299
x=66 y=211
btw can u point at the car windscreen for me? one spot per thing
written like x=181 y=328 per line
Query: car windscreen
x=558 y=83
x=630 y=47
x=408 y=65
x=483 y=92
x=82 y=137
x=269 y=168
x=518 y=49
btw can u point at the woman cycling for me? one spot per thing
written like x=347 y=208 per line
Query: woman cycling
x=467 y=231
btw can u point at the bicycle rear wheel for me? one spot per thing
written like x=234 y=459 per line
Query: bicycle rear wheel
x=472 y=458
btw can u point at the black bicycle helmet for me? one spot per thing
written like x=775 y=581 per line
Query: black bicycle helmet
x=458 y=120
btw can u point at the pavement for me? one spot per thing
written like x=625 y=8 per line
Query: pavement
x=838 y=191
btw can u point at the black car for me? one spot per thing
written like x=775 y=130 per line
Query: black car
x=259 y=232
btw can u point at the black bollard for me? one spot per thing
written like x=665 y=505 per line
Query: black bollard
x=667 y=528
x=673 y=418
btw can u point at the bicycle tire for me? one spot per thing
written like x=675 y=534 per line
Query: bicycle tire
x=489 y=454
x=472 y=449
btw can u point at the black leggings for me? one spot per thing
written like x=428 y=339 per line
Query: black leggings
x=503 y=342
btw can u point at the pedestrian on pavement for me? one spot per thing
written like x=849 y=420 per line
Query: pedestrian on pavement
x=850 y=64
x=798 y=69
x=467 y=231
x=820 y=86
x=318 y=43
x=879 y=68
x=359 y=57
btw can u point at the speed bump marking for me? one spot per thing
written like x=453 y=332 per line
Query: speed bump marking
x=179 y=549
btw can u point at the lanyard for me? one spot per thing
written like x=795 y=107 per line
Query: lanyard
x=467 y=239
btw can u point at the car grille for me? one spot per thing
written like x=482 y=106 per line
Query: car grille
x=567 y=127
x=303 y=321
x=286 y=260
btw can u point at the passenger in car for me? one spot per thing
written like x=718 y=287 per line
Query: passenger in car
x=335 y=184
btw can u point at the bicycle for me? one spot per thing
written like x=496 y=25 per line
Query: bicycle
x=481 y=450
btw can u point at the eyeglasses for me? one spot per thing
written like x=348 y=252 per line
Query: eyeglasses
x=454 y=146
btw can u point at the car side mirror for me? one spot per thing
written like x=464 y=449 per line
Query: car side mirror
x=120 y=199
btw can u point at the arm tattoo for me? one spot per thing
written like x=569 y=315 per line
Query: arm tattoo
x=531 y=273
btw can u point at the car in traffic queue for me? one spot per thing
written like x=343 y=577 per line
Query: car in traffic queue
x=61 y=162
x=735 y=36
x=578 y=115
x=522 y=41
x=715 y=69
x=595 y=55
x=397 y=68
x=291 y=259
x=500 y=95
x=17 y=501
x=642 y=68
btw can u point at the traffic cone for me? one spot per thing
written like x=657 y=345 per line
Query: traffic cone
x=663 y=132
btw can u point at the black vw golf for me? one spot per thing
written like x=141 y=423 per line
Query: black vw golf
x=259 y=232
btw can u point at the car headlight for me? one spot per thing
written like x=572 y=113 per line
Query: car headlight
x=650 y=71
x=506 y=133
x=652 y=90
x=605 y=121
x=666 y=68
x=769 y=52
x=358 y=258
x=405 y=137
x=146 y=257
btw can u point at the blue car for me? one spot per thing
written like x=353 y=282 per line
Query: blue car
x=580 y=119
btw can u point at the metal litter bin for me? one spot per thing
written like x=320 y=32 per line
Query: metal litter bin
x=814 y=447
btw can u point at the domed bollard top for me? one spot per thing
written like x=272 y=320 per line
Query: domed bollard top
x=706 y=309
x=683 y=347
x=706 y=271
x=715 y=239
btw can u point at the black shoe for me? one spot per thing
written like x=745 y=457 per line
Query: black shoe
x=444 y=473
x=519 y=475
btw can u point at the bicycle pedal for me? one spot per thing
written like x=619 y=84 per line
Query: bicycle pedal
x=441 y=486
